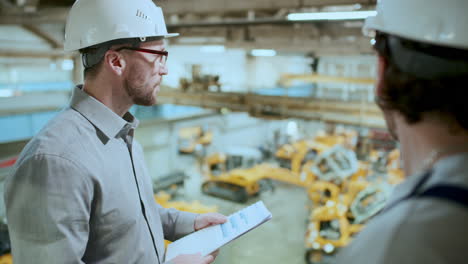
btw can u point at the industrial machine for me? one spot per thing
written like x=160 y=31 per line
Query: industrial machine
x=200 y=82
x=238 y=176
x=328 y=230
x=6 y=259
x=342 y=205
x=194 y=139
x=164 y=199
x=332 y=225
x=233 y=175
x=170 y=182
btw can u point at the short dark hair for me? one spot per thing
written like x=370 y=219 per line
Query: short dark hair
x=415 y=95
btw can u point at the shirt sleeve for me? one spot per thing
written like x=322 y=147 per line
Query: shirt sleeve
x=176 y=224
x=48 y=202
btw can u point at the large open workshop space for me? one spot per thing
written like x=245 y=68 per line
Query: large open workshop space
x=233 y=132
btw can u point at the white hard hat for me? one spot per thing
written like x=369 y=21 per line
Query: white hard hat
x=92 y=22
x=437 y=22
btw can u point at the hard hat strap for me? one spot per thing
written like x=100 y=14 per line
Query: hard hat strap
x=94 y=57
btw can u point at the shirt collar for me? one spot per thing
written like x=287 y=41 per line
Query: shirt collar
x=447 y=170
x=100 y=115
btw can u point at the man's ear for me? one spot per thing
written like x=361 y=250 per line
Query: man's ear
x=115 y=62
x=381 y=68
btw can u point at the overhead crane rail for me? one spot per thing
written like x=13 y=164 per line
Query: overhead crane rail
x=362 y=113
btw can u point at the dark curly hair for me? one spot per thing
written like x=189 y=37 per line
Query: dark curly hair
x=415 y=95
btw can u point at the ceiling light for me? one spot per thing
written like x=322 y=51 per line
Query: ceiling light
x=331 y=15
x=263 y=53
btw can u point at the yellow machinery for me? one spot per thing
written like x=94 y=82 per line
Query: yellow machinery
x=200 y=82
x=163 y=199
x=193 y=139
x=328 y=230
x=343 y=191
x=342 y=208
x=6 y=259
x=233 y=176
x=333 y=224
x=322 y=191
x=238 y=176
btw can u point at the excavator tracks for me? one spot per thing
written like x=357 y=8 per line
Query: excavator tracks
x=227 y=191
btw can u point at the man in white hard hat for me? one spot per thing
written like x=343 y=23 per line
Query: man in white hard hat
x=81 y=192
x=422 y=48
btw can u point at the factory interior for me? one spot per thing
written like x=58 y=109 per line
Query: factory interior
x=259 y=104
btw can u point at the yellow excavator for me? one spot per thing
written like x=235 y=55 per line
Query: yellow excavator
x=233 y=175
x=236 y=176
x=164 y=199
x=332 y=225
x=192 y=139
x=329 y=229
x=342 y=209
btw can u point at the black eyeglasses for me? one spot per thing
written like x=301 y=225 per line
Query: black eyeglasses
x=163 y=54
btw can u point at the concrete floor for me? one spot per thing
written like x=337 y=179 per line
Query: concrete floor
x=281 y=240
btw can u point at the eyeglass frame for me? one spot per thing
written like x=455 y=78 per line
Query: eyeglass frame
x=164 y=54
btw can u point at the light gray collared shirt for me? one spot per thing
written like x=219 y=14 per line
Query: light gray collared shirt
x=81 y=193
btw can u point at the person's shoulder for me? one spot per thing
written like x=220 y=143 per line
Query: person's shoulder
x=408 y=230
x=434 y=224
x=58 y=137
x=421 y=218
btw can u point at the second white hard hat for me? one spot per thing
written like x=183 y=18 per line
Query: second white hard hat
x=436 y=22
x=92 y=22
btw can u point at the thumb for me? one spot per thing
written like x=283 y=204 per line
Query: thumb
x=208 y=259
x=216 y=218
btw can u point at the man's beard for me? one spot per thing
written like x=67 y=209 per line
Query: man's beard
x=140 y=95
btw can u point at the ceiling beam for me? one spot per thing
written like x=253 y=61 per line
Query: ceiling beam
x=297 y=46
x=59 y=15
x=54 y=43
x=35 y=54
x=232 y=22
x=227 y=6
x=249 y=22
x=178 y=7
x=281 y=107
x=44 y=16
